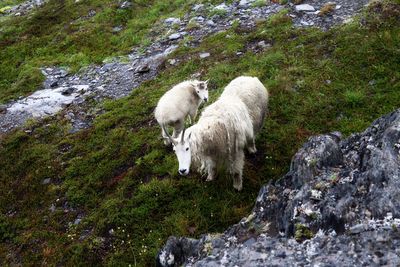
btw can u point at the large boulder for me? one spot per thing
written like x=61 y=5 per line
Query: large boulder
x=338 y=205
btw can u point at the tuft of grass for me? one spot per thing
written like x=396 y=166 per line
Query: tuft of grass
x=218 y=12
x=259 y=3
x=328 y=8
x=354 y=98
x=302 y=232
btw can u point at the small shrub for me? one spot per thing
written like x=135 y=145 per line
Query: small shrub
x=354 y=98
x=302 y=232
x=327 y=9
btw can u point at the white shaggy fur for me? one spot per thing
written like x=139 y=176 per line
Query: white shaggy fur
x=179 y=102
x=255 y=96
x=217 y=140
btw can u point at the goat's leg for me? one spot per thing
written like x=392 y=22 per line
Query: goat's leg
x=178 y=128
x=237 y=170
x=165 y=137
x=252 y=146
x=211 y=170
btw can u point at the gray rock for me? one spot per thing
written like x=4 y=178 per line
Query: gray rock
x=143 y=69
x=204 y=55
x=3 y=109
x=175 y=36
x=305 y=7
x=222 y=6
x=46 y=181
x=54 y=84
x=198 y=7
x=172 y=21
x=358 y=228
x=172 y=61
x=333 y=189
x=210 y=23
x=244 y=3
x=117 y=29
x=125 y=5
x=68 y=91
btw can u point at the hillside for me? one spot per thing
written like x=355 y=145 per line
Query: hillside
x=86 y=180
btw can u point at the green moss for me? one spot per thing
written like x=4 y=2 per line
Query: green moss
x=302 y=232
x=259 y=3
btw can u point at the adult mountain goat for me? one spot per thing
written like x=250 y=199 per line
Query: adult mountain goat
x=179 y=102
x=218 y=139
x=255 y=96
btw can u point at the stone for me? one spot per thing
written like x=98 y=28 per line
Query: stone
x=172 y=61
x=143 y=69
x=243 y=3
x=3 y=109
x=117 y=29
x=125 y=5
x=204 y=55
x=67 y=91
x=197 y=7
x=210 y=23
x=172 y=21
x=358 y=228
x=54 y=84
x=222 y=6
x=305 y=8
x=175 y=36
x=46 y=181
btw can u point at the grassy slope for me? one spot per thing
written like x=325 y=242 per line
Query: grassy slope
x=63 y=32
x=120 y=176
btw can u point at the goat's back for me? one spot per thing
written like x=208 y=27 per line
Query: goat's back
x=253 y=94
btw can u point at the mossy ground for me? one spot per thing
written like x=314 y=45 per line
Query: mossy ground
x=74 y=34
x=123 y=182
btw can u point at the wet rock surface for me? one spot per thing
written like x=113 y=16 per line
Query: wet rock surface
x=119 y=76
x=24 y=8
x=339 y=205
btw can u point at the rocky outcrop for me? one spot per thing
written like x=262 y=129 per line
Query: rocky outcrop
x=338 y=205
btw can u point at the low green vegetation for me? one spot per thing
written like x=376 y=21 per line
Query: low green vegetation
x=7 y=4
x=74 y=34
x=302 y=232
x=114 y=195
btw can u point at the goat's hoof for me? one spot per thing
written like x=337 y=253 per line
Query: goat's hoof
x=238 y=188
x=252 y=150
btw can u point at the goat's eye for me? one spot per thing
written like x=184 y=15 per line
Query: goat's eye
x=198 y=91
x=187 y=149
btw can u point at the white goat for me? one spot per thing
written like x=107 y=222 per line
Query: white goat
x=255 y=96
x=217 y=140
x=179 y=102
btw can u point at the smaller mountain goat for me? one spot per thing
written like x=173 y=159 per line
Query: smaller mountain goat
x=176 y=104
x=218 y=139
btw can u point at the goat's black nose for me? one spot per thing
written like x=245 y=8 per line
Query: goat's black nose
x=182 y=171
x=205 y=99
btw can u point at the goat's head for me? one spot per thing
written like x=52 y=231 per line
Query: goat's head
x=182 y=151
x=201 y=88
